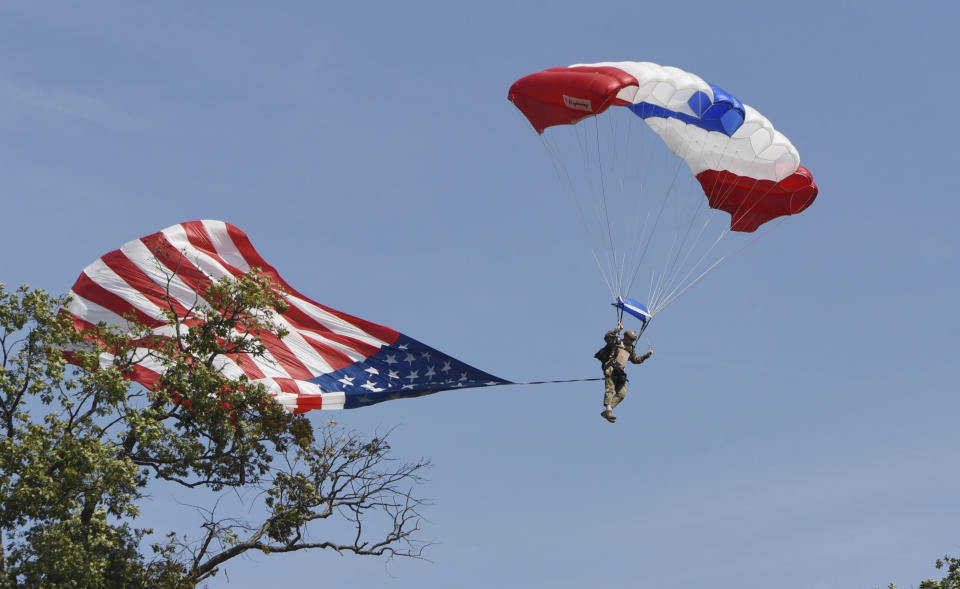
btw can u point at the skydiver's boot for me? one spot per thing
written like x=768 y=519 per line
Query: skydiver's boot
x=608 y=415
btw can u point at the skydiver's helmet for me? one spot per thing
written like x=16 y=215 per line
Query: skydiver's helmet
x=629 y=336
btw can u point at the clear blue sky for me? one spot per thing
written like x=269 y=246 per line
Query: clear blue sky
x=797 y=426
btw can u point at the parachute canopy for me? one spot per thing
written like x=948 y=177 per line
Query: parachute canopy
x=328 y=360
x=745 y=166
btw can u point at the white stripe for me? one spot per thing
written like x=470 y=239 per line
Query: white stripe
x=210 y=265
x=226 y=249
x=349 y=352
x=300 y=348
x=331 y=400
x=94 y=313
x=141 y=256
x=144 y=360
x=304 y=352
x=101 y=274
x=332 y=322
x=177 y=235
x=144 y=259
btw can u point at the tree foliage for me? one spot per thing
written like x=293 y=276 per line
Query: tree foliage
x=81 y=448
x=951 y=581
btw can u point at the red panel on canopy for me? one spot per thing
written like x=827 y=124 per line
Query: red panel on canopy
x=565 y=95
x=753 y=202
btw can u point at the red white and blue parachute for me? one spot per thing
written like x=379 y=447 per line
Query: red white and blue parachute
x=327 y=360
x=745 y=166
x=740 y=162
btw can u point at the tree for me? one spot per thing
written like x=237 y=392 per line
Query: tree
x=951 y=581
x=81 y=448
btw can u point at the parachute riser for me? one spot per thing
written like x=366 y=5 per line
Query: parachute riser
x=644 y=328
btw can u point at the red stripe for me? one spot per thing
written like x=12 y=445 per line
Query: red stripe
x=198 y=238
x=188 y=273
x=141 y=374
x=282 y=354
x=253 y=259
x=177 y=262
x=334 y=357
x=198 y=281
x=141 y=282
x=146 y=377
x=81 y=324
x=85 y=287
x=308 y=403
x=288 y=386
x=304 y=322
x=298 y=319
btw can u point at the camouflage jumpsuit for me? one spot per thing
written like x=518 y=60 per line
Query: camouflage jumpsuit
x=614 y=375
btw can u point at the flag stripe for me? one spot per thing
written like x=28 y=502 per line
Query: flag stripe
x=194 y=242
x=141 y=283
x=105 y=299
x=253 y=259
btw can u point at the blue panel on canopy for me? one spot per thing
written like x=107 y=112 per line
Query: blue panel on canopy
x=724 y=114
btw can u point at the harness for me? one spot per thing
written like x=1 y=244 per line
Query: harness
x=618 y=374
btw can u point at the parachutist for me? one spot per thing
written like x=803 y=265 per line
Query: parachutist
x=615 y=355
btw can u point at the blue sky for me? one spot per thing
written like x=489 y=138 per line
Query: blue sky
x=797 y=424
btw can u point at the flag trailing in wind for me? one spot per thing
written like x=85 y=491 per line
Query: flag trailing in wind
x=327 y=360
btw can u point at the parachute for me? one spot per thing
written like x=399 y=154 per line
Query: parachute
x=328 y=359
x=743 y=165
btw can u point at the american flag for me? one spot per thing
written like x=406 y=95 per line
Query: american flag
x=328 y=360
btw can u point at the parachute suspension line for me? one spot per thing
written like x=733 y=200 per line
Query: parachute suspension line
x=680 y=283
x=641 y=238
x=671 y=265
x=621 y=136
x=659 y=300
x=608 y=268
x=671 y=297
x=674 y=294
x=604 y=275
x=730 y=189
x=563 y=172
x=686 y=247
x=634 y=203
x=656 y=223
x=767 y=229
x=686 y=261
x=603 y=194
x=663 y=204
